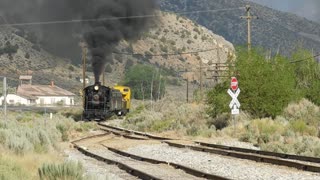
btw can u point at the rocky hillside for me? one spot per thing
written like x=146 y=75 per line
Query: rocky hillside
x=19 y=56
x=175 y=44
x=273 y=30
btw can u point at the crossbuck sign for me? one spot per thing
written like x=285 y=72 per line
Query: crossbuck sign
x=234 y=104
x=234 y=93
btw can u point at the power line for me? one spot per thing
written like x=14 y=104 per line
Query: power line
x=166 y=54
x=116 y=18
x=296 y=61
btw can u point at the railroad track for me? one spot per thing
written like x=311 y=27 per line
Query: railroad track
x=304 y=163
x=120 y=131
x=177 y=171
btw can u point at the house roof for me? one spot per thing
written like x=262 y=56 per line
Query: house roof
x=42 y=90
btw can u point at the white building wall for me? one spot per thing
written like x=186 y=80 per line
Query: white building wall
x=54 y=100
x=13 y=99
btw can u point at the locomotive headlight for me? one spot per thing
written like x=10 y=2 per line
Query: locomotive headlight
x=96 y=88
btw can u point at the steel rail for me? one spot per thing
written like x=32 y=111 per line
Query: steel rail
x=117 y=133
x=256 y=155
x=267 y=153
x=136 y=132
x=188 y=170
x=249 y=156
x=128 y=169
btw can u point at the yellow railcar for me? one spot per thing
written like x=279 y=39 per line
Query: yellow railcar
x=126 y=96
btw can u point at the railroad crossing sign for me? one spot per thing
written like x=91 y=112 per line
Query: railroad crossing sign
x=234 y=96
x=234 y=84
x=234 y=93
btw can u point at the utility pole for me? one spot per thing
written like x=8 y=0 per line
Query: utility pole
x=84 y=65
x=159 y=88
x=249 y=18
x=5 y=97
x=200 y=80
x=103 y=78
x=151 y=96
x=218 y=67
x=187 y=89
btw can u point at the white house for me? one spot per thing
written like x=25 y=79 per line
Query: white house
x=46 y=95
x=13 y=99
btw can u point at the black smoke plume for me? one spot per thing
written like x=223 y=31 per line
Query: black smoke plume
x=111 y=22
x=102 y=36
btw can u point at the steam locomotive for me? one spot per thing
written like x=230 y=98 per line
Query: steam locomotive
x=101 y=102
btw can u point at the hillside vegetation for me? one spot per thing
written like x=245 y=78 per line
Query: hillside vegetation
x=171 y=35
x=273 y=30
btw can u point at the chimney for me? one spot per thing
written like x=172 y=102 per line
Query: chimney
x=52 y=83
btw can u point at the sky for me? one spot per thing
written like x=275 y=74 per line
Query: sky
x=309 y=9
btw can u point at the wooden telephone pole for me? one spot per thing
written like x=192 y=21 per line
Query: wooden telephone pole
x=84 y=65
x=201 y=79
x=5 y=97
x=249 y=18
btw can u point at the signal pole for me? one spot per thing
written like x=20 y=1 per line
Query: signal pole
x=249 y=18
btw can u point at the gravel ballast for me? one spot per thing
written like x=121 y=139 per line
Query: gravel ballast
x=220 y=165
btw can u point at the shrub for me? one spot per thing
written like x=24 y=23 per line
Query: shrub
x=27 y=56
x=67 y=170
x=303 y=110
x=163 y=39
x=71 y=68
x=10 y=170
x=108 y=68
x=64 y=132
x=220 y=122
x=170 y=115
x=196 y=30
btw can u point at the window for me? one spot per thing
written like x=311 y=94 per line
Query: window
x=53 y=100
x=42 y=101
x=63 y=101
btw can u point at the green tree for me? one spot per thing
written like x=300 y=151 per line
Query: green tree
x=307 y=74
x=108 y=68
x=142 y=78
x=218 y=99
x=267 y=86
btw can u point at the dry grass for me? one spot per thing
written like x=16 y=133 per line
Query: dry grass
x=14 y=166
x=295 y=132
x=169 y=115
x=28 y=140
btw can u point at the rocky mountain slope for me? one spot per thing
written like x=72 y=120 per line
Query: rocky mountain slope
x=175 y=44
x=274 y=30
